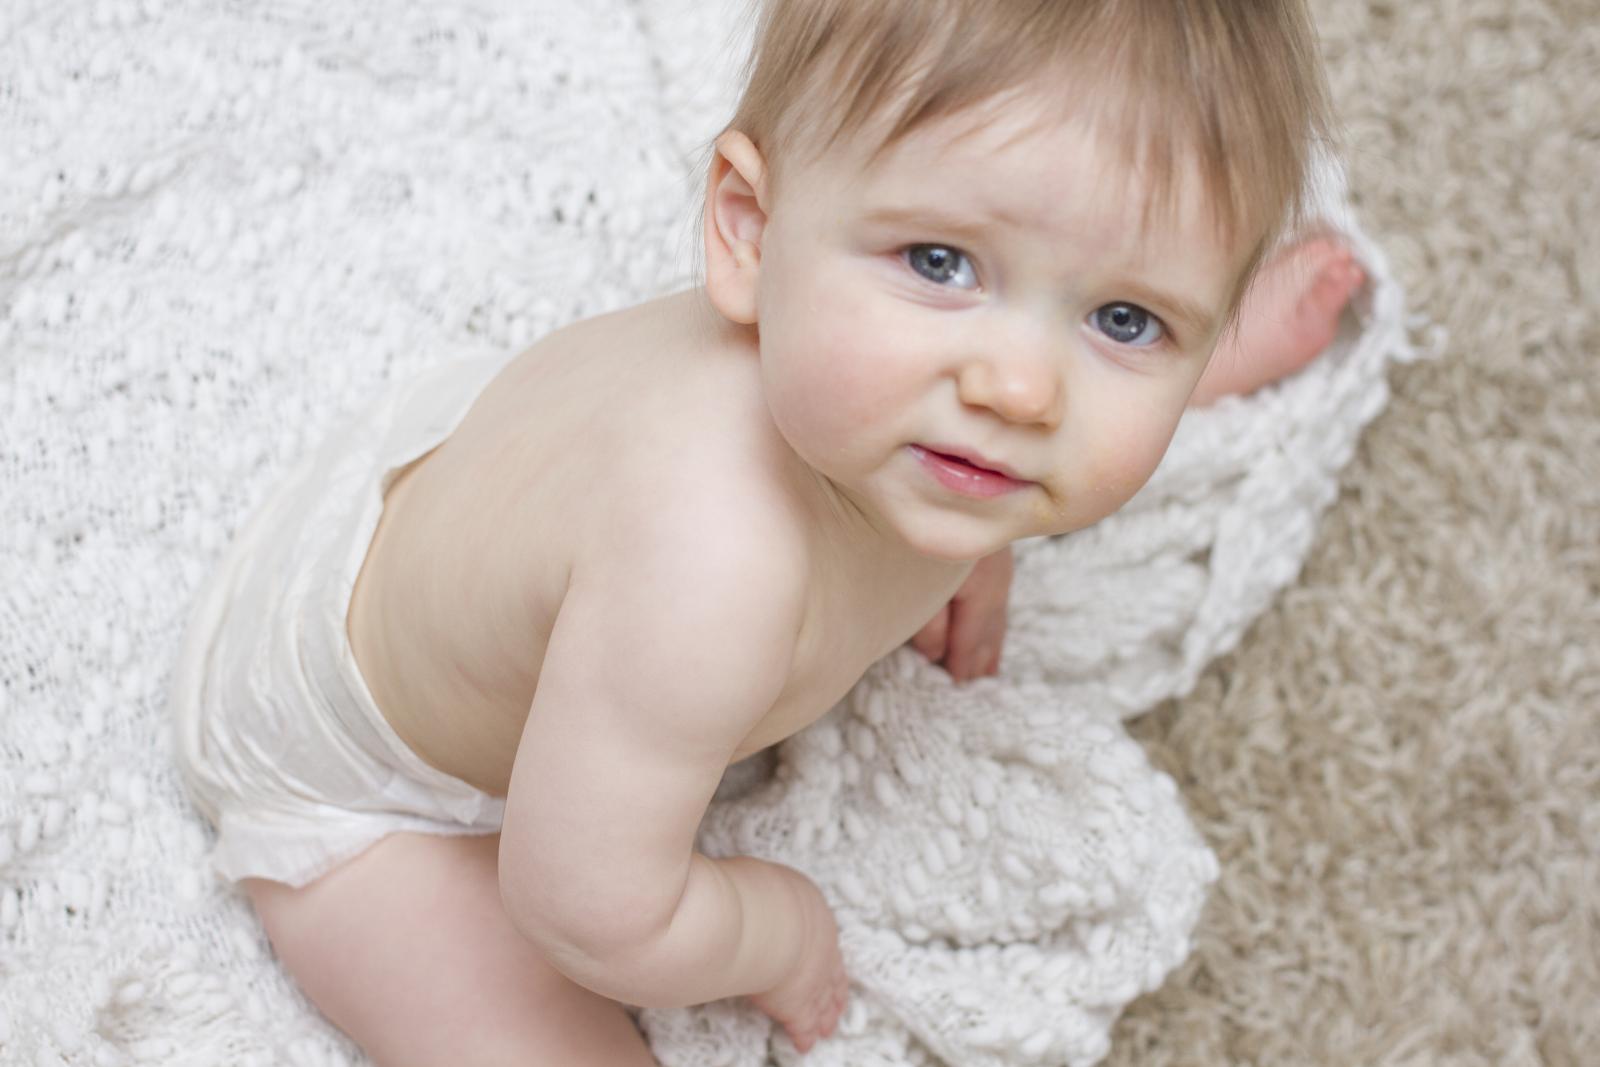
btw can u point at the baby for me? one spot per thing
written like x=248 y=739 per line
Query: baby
x=460 y=691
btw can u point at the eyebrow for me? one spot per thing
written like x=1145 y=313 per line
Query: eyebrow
x=1194 y=319
x=940 y=217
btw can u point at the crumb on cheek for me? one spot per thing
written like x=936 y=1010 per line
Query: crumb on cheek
x=1050 y=508
x=1121 y=476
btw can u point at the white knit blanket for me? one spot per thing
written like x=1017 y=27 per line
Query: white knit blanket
x=223 y=226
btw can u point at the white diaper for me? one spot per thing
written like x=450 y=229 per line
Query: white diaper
x=278 y=738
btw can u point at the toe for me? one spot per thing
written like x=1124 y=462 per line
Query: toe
x=1354 y=277
x=1331 y=291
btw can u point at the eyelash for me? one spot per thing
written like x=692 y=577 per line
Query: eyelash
x=1165 y=339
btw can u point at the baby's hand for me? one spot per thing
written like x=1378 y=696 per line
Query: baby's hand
x=810 y=1000
x=967 y=633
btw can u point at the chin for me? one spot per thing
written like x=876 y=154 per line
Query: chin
x=951 y=543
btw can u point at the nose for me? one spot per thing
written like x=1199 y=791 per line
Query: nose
x=1021 y=384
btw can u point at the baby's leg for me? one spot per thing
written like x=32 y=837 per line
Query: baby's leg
x=407 y=949
x=1289 y=315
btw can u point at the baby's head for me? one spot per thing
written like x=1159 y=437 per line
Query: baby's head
x=1012 y=229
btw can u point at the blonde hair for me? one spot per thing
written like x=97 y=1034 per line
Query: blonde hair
x=1234 y=88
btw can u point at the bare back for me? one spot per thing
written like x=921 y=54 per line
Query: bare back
x=468 y=568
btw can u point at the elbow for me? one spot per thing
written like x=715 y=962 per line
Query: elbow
x=601 y=941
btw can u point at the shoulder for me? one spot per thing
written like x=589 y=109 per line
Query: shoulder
x=691 y=503
x=697 y=490
x=702 y=567
x=719 y=544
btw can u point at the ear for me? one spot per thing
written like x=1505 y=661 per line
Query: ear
x=735 y=218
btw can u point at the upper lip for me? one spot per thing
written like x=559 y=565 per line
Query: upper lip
x=977 y=459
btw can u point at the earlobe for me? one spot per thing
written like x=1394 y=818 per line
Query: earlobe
x=735 y=220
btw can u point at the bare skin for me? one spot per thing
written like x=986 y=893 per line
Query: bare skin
x=418 y=983
x=655 y=583
x=431 y=628
x=1289 y=316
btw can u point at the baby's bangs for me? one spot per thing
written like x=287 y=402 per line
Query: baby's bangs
x=1232 y=91
x=1178 y=94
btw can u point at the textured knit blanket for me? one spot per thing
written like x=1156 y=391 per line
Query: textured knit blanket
x=223 y=226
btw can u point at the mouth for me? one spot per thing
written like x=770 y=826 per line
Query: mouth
x=971 y=459
x=953 y=458
x=963 y=473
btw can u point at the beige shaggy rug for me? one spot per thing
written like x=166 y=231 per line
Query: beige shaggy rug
x=1399 y=768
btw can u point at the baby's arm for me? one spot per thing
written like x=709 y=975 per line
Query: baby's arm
x=666 y=652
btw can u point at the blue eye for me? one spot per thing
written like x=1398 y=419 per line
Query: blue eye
x=941 y=265
x=1128 y=324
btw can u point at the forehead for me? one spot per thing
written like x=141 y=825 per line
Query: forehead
x=1015 y=160
x=1024 y=166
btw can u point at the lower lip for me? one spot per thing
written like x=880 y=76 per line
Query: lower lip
x=962 y=478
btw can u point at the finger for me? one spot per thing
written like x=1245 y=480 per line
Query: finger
x=932 y=639
x=977 y=665
x=1003 y=567
x=972 y=641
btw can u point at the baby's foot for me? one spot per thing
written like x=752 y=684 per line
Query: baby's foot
x=1289 y=315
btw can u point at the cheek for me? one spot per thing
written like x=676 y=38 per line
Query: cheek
x=1127 y=452
x=1123 y=471
x=830 y=377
